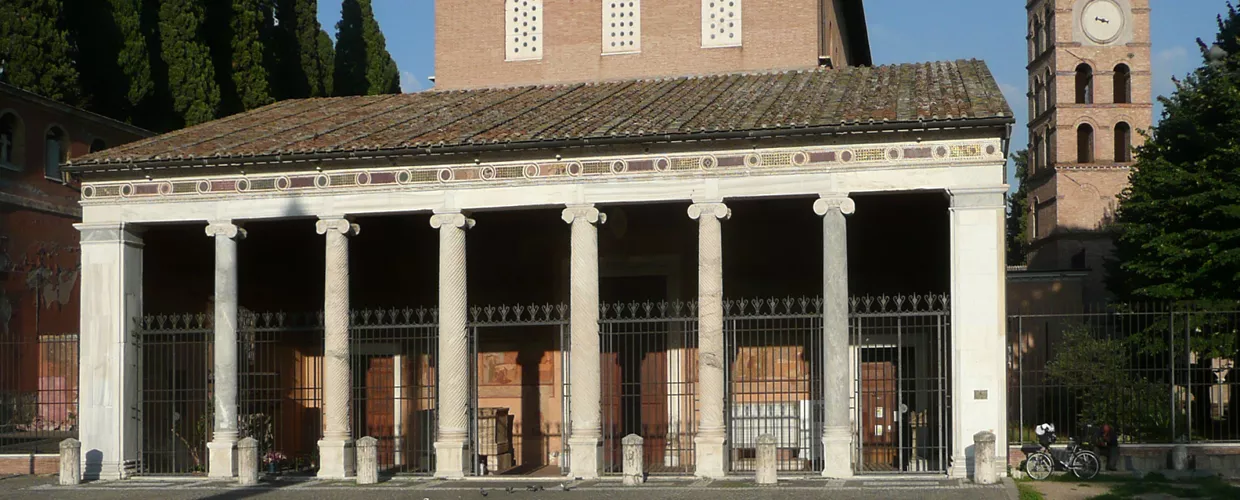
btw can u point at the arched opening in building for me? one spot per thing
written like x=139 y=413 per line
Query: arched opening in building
x=56 y=151
x=1123 y=142
x=1085 y=143
x=1123 y=84
x=1084 y=84
x=10 y=140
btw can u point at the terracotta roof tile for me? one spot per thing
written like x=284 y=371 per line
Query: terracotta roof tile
x=904 y=93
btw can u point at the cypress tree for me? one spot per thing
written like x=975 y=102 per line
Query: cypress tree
x=113 y=59
x=1018 y=213
x=306 y=31
x=363 y=65
x=1179 y=221
x=249 y=76
x=191 y=76
x=326 y=56
x=35 y=53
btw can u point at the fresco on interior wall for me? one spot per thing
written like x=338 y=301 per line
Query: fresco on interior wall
x=502 y=368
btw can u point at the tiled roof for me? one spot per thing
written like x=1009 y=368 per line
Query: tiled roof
x=533 y=115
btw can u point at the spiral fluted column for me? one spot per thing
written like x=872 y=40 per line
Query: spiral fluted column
x=837 y=433
x=711 y=440
x=222 y=450
x=586 y=439
x=336 y=452
x=451 y=444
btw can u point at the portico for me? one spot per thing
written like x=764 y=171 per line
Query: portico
x=828 y=167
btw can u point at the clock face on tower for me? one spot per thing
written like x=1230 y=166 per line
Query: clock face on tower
x=1102 y=20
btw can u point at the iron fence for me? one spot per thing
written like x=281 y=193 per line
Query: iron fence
x=174 y=363
x=1156 y=373
x=38 y=392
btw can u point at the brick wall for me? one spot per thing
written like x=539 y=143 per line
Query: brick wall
x=29 y=464
x=777 y=34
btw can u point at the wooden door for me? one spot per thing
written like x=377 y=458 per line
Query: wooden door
x=878 y=412
x=380 y=407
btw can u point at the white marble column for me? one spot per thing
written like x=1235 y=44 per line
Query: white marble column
x=585 y=440
x=222 y=450
x=109 y=420
x=978 y=298
x=452 y=445
x=337 y=455
x=711 y=437
x=837 y=435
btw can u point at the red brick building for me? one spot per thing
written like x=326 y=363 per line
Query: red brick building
x=40 y=266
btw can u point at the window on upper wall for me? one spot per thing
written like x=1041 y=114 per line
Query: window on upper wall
x=622 y=26
x=1123 y=84
x=10 y=141
x=1084 y=84
x=1085 y=143
x=1123 y=142
x=523 y=21
x=721 y=23
x=55 y=152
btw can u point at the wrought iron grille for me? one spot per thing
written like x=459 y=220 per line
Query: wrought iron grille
x=38 y=392
x=649 y=378
x=175 y=357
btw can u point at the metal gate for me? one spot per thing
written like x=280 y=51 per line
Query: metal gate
x=518 y=401
x=174 y=367
x=900 y=356
x=649 y=379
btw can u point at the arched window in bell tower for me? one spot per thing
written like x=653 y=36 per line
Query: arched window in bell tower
x=1039 y=97
x=1084 y=84
x=1123 y=84
x=1123 y=142
x=1085 y=143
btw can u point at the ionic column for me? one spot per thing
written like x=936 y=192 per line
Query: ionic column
x=451 y=444
x=222 y=455
x=837 y=433
x=711 y=437
x=586 y=438
x=337 y=459
x=978 y=344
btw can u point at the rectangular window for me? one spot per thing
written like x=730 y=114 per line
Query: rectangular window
x=52 y=158
x=622 y=26
x=721 y=23
x=523 y=21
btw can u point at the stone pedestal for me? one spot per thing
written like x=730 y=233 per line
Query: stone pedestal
x=70 y=462
x=337 y=459
x=634 y=468
x=984 y=458
x=1179 y=457
x=367 y=460
x=837 y=431
x=768 y=462
x=711 y=440
x=222 y=457
x=247 y=462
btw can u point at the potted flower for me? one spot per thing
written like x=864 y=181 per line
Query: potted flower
x=273 y=459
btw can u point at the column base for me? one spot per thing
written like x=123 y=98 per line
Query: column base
x=451 y=459
x=98 y=470
x=837 y=448
x=222 y=459
x=712 y=457
x=337 y=459
x=585 y=457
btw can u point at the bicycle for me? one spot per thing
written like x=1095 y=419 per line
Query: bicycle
x=1039 y=464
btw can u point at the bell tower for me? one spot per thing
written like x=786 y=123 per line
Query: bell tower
x=1089 y=96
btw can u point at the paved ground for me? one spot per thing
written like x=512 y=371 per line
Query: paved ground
x=26 y=487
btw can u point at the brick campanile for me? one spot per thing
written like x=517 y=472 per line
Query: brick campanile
x=1089 y=98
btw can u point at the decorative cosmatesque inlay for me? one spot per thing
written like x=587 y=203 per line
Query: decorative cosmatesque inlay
x=750 y=163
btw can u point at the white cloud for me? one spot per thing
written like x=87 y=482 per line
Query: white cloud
x=409 y=83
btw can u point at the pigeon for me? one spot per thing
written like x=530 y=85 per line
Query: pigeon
x=508 y=489
x=531 y=488
x=484 y=492
x=563 y=487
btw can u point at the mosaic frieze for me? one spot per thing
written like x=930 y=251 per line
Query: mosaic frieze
x=481 y=175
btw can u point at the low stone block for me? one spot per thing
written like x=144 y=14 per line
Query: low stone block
x=634 y=470
x=247 y=462
x=70 y=462
x=768 y=461
x=984 y=458
x=367 y=460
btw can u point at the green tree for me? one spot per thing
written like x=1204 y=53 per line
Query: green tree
x=249 y=75
x=112 y=56
x=191 y=75
x=363 y=65
x=1179 y=221
x=300 y=19
x=35 y=53
x=326 y=57
x=1017 y=212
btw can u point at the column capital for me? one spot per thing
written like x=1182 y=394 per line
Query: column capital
x=717 y=210
x=227 y=229
x=839 y=202
x=978 y=198
x=110 y=233
x=587 y=213
x=457 y=220
x=337 y=224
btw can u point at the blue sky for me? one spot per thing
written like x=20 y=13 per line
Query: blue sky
x=900 y=31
